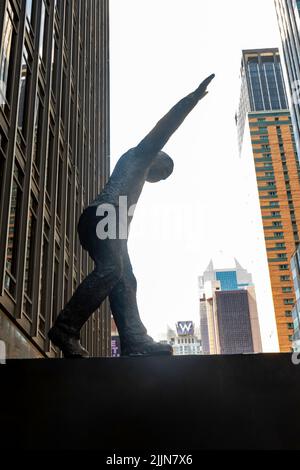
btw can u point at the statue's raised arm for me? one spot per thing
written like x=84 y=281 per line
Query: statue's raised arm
x=165 y=128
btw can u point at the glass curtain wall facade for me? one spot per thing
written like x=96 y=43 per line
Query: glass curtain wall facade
x=295 y=267
x=288 y=14
x=54 y=159
x=262 y=86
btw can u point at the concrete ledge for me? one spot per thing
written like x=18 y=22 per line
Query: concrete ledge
x=177 y=403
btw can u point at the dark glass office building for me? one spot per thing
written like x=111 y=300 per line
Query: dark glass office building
x=234 y=326
x=54 y=159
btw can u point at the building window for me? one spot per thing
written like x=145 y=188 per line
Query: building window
x=30 y=248
x=66 y=283
x=69 y=218
x=288 y=313
x=266 y=148
x=14 y=226
x=285 y=278
x=64 y=100
x=37 y=135
x=7 y=55
x=284 y=267
x=290 y=326
x=3 y=146
x=287 y=289
x=54 y=62
x=288 y=301
x=43 y=32
x=67 y=15
x=24 y=92
x=49 y=161
x=55 y=299
x=58 y=4
x=59 y=188
x=29 y=13
x=43 y=290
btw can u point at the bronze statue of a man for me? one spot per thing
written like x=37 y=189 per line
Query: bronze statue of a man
x=113 y=274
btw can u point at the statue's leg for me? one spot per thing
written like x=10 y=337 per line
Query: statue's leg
x=89 y=295
x=133 y=334
x=123 y=303
x=87 y=298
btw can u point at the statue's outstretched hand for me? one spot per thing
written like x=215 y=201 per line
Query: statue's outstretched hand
x=165 y=128
x=202 y=89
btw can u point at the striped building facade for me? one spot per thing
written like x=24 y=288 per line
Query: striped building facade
x=54 y=159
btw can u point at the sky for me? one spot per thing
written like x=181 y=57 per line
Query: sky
x=208 y=209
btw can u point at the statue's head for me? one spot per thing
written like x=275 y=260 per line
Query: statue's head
x=161 y=168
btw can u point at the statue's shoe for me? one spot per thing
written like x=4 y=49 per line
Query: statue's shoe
x=69 y=345
x=146 y=348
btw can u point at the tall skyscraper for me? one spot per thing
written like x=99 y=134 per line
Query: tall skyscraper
x=288 y=14
x=228 y=313
x=54 y=148
x=264 y=112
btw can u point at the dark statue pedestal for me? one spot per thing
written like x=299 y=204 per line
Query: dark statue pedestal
x=166 y=403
